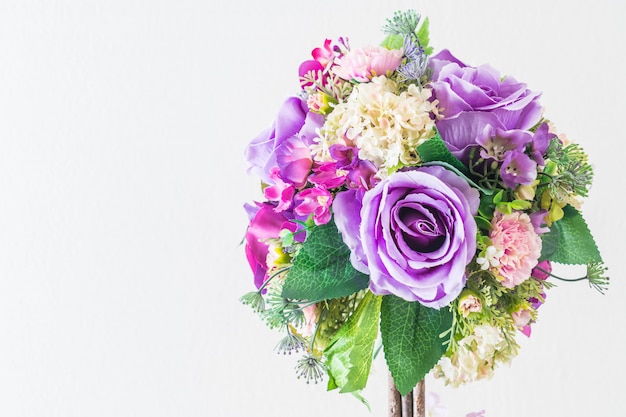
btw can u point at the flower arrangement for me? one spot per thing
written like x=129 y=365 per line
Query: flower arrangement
x=414 y=204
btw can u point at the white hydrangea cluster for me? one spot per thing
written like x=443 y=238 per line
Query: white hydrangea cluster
x=476 y=357
x=385 y=125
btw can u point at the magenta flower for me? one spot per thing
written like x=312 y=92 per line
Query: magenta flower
x=365 y=63
x=328 y=176
x=265 y=224
x=280 y=191
x=324 y=55
x=322 y=59
x=294 y=160
x=315 y=201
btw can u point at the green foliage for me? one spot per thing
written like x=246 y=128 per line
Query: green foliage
x=435 y=150
x=574 y=243
x=349 y=354
x=572 y=174
x=402 y=23
x=423 y=36
x=281 y=311
x=507 y=207
x=332 y=315
x=322 y=269
x=411 y=339
x=393 y=42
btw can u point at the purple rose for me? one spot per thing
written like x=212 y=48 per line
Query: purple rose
x=294 y=120
x=417 y=234
x=461 y=88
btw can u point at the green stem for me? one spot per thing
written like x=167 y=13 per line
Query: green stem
x=560 y=278
x=274 y=275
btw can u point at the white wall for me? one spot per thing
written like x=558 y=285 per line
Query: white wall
x=122 y=127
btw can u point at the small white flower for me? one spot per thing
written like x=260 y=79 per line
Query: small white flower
x=491 y=258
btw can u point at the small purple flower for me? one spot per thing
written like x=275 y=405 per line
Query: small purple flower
x=346 y=156
x=363 y=175
x=517 y=168
x=537 y=218
x=540 y=143
x=496 y=142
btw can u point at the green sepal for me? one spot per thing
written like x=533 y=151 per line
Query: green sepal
x=569 y=241
x=349 y=355
x=411 y=339
x=322 y=270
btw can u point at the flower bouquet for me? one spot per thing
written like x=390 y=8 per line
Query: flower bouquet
x=415 y=204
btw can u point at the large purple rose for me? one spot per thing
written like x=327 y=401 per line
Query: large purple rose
x=416 y=234
x=293 y=121
x=461 y=88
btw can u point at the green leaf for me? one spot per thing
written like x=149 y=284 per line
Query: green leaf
x=322 y=268
x=393 y=42
x=482 y=223
x=349 y=354
x=520 y=204
x=435 y=150
x=575 y=244
x=423 y=36
x=549 y=243
x=411 y=339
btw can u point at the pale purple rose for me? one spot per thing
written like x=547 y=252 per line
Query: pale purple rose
x=461 y=88
x=293 y=120
x=416 y=236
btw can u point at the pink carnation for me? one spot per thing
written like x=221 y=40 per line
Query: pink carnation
x=514 y=235
x=365 y=63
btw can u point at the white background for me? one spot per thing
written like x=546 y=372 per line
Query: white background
x=122 y=180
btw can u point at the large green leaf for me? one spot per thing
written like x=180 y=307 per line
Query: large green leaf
x=575 y=244
x=322 y=268
x=349 y=354
x=411 y=339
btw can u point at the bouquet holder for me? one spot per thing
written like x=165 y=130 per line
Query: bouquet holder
x=411 y=405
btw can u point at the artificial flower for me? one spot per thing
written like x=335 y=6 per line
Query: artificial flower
x=418 y=235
